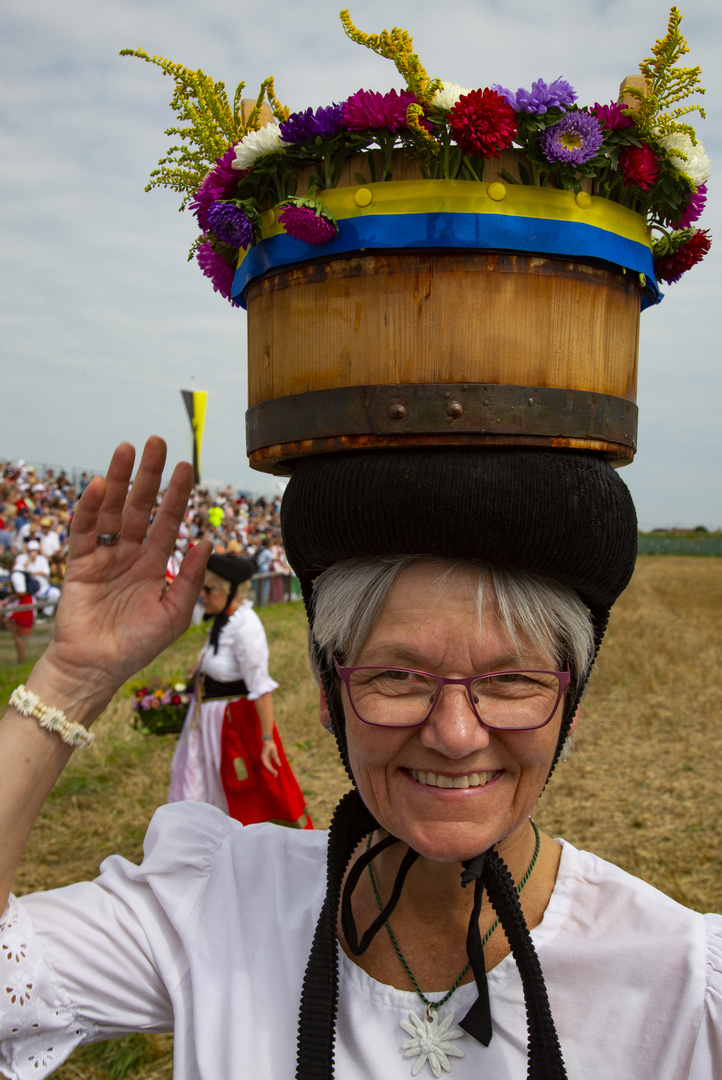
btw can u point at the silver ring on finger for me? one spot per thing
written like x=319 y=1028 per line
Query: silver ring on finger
x=108 y=539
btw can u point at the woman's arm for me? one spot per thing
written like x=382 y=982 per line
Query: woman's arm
x=115 y=616
x=269 y=753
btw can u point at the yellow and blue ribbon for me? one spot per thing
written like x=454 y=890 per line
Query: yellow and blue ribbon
x=469 y=215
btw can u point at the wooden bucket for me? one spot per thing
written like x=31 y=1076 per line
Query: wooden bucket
x=428 y=347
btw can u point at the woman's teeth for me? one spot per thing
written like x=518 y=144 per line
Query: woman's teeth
x=474 y=779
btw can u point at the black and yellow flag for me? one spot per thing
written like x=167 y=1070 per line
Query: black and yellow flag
x=195 y=403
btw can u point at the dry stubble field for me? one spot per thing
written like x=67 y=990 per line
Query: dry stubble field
x=641 y=788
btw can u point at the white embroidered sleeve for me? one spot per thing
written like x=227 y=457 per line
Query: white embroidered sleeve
x=38 y=1027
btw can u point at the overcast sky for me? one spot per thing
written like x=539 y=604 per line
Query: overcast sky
x=102 y=320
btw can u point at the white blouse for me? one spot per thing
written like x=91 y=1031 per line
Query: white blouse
x=242 y=653
x=212 y=933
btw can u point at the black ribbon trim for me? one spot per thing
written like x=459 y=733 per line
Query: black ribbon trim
x=477 y=1021
x=348 y=922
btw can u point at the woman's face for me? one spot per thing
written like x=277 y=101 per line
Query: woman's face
x=214 y=594
x=434 y=626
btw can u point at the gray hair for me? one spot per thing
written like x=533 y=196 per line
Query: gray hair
x=349 y=596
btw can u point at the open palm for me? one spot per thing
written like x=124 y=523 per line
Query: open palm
x=116 y=613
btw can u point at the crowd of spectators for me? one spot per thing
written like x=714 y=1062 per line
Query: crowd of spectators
x=36 y=508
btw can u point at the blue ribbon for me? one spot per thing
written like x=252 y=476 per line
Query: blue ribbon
x=476 y=232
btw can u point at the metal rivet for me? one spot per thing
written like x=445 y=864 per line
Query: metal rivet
x=531 y=400
x=397 y=411
x=498 y=421
x=454 y=409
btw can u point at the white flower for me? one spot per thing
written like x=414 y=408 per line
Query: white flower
x=432 y=1042
x=257 y=143
x=448 y=95
x=697 y=166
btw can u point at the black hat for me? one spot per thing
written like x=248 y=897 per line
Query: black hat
x=563 y=515
x=233 y=568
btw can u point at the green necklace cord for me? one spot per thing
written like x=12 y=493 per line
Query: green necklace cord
x=437 y=1004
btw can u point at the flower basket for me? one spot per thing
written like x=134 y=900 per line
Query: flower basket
x=442 y=265
x=447 y=312
x=160 y=710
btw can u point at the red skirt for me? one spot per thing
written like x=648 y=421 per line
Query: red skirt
x=253 y=793
x=23 y=619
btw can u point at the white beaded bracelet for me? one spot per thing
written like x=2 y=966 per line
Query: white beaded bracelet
x=29 y=704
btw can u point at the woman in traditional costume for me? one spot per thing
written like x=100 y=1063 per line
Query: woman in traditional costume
x=230 y=753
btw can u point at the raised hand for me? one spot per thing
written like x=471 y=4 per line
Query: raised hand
x=116 y=613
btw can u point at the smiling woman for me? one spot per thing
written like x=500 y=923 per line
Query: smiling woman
x=452 y=658
x=447 y=619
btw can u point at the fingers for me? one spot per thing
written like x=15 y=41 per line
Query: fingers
x=172 y=509
x=185 y=588
x=101 y=505
x=140 y=503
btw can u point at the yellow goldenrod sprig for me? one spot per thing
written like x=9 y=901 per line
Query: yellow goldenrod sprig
x=414 y=116
x=396 y=45
x=255 y=120
x=208 y=124
x=667 y=84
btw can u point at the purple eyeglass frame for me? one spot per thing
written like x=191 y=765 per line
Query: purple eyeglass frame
x=345 y=674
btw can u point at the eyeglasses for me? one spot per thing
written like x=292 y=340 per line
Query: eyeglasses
x=504 y=700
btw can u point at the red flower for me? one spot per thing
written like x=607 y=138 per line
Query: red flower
x=176 y=699
x=483 y=123
x=670 y=268
x=639 y=165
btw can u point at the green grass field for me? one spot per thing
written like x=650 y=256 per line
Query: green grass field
x=640 y=789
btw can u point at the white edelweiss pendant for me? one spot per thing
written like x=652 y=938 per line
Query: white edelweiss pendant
x=431 y=1041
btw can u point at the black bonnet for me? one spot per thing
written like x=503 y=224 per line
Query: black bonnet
x=563 y=515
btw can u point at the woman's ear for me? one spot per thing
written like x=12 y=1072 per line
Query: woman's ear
x=575 y=720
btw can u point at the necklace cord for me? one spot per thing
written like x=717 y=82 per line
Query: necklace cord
x=437 y=1004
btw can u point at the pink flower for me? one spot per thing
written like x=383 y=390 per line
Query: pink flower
x=639 y=165
x=612 y=115
x=370 y=109
x=693 y=208
x=217 y=268
x=483 y=123
x=302 y=223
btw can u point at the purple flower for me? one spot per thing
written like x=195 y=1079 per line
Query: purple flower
x=217 y=184
x=302 y=126
x=369 y=109
x=215 y=267
x=612 y=115
x=230 y=224
x=302 y=223
x=576 y=138
x=693 y=208
x=541 y=96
